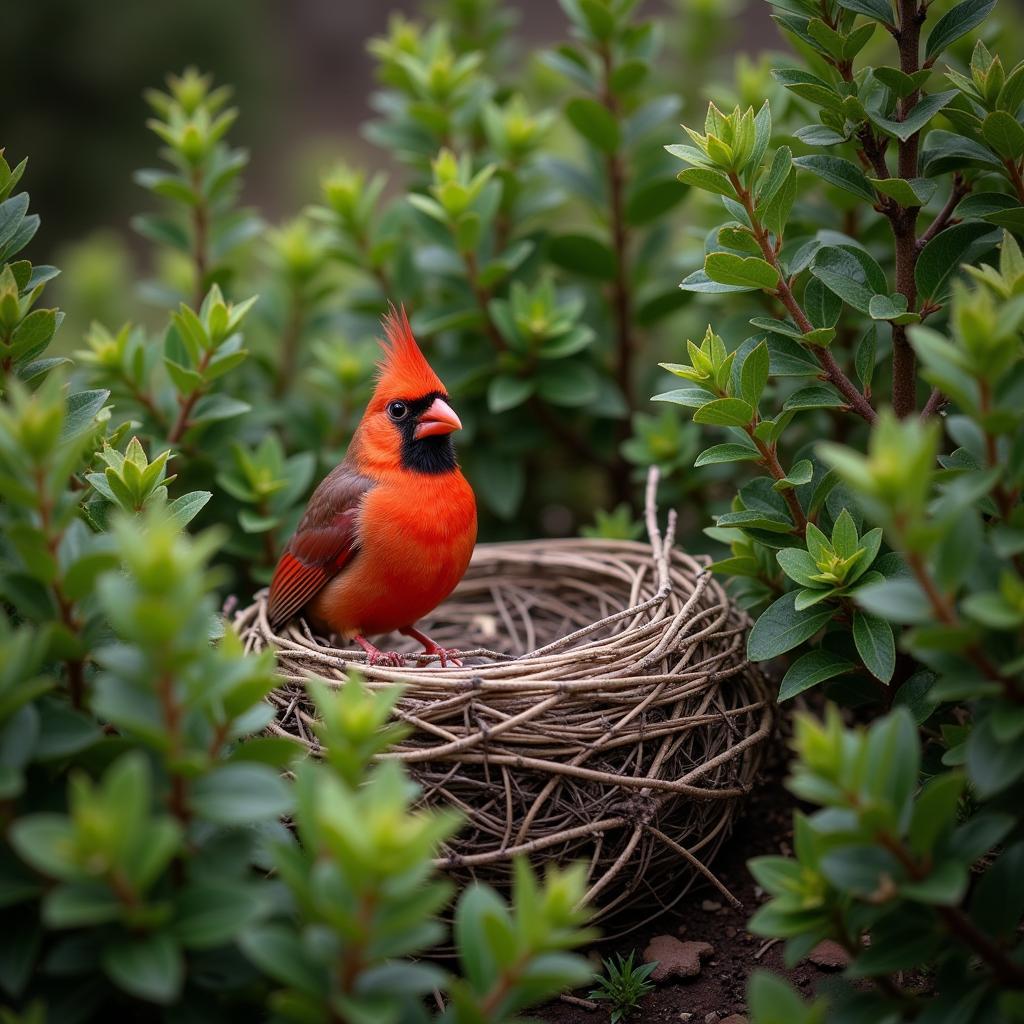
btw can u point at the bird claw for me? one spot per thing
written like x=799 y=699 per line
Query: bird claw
x=390 y=659
x=446 y=655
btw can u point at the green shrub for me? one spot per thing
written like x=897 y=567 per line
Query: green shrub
x=144 y=863
x=879 y=537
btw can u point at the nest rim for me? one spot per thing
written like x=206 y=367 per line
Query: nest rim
x=655 y=692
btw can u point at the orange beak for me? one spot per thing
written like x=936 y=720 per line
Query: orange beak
x=440 y=418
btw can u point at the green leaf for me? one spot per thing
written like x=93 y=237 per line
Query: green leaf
x=922 y=113
x=754 y=374
x=506 y=392
x=82 y=408
x=502 y=481
x=814 y=396
x=906 y=192
x=897 y=600
x=582 y=254
x=744 y=271
x=809 y=87
x=880 y=10
x=954 y=24
x=810 y=669
x=851 y=274
x=864 y=357
x=892 y=308
x=725 y=412
x=944 y=254
x=991 y=765
x=1004 y=134
x=691 y=398
x=875 y=644
x=799 y=566
x=781 y=627
x=800 y=474
x=186 y=507
x=839 y=172
x=709 y=180
x=241 y=794
x=653 y=200
x=278 y=952
x=210 y=914
x=727 y=453
x=935 y=811
x=151 y=967
x=595 y=122
x=568 y=383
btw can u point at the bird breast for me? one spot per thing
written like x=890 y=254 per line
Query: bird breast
x=415 y=541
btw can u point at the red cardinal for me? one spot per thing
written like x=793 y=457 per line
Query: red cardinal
x=389 y=532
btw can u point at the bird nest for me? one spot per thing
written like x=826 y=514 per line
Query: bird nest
x=605 y=712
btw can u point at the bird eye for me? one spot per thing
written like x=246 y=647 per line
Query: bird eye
x=398 y=410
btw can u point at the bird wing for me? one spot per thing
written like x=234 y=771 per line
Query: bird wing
x=325 y=541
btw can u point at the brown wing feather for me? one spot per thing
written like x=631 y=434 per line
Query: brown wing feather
x=325 y=541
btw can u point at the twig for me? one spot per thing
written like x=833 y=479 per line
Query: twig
x=943 y=217
x=586 y=1004
x=855 y=399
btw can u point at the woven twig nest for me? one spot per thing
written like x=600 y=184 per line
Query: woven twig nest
x=605 y=711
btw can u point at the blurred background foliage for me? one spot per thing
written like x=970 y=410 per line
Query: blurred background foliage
x=545 y=314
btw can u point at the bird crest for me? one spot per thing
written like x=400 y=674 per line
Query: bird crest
x=403 y=371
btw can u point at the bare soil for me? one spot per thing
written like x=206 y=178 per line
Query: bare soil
x=704 y=916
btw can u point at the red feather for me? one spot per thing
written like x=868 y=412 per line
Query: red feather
x=413 y=531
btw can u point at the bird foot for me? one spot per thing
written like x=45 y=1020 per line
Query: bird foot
x=445 y=655
x=375 y=656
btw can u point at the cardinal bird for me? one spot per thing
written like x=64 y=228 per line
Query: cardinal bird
x=389 y=532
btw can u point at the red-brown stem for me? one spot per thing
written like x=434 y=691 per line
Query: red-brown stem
x=936 y=400
x=1013 y=169
x=945 y=612
x=621 y=292
x=186 y=403
x=178 y=799
x=1004 y=969
x=770 y=459
x=904 y=219
x=945 y=216
x=857 y=402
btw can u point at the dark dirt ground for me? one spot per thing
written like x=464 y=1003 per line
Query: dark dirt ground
x=766 y=827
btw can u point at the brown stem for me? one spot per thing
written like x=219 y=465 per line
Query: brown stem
x=770 y=459
x=178 y=798
x=1005 y=970
x=904 y=220
x=506 y=980
x=621 y=293
x=186 y=403
x=855 y=399
x=1014 y=171
x=944 y=216
x=936 y=400
x=945 y=612
x=904 y=361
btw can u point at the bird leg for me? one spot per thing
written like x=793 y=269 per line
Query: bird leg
x=445 y=654
x=378 y=657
